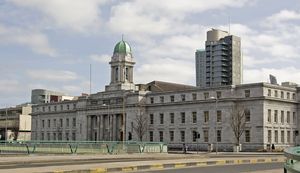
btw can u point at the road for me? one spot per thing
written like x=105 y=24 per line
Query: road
x=243 y=168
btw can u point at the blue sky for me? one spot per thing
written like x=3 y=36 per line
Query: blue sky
x=50 y=44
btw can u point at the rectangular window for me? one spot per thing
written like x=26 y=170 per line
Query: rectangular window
x=219 y=94
x=42 y=136
x=194 y=137
x=282 y=94
x=182 y=117
x=288 y=117
x=194 y=95
x=205 y=134
x=219 y=135
x=43 y=109
x=282 y=116
x=161 y=118
x=49 y=123
x=172 y=118
x=151 y=119
x=74 y=122
x=68 y=107
x=54 y=136
x=219 y=116
x=182 y=97
x=67 y=136
x=161 y=136
x=61 y=107
x=282 y=136
x=48 y=136
x=60 y=122
x=276 y=116
x=247 y=135
x=206 y=116
x=151 y=100
x=247 y=93
x=294 y=96
x=67 y=122
x=247 y=115
x=269 y=92
x=288 y=137
x=172 y=99
x=171 y=136
x=162 y=99
x=54 y=108
x=276 y=93
x=151 y=136
x=294 y=117
x=288 y=95
x=182 y=136
x=269 y=115
x=54 y=123
x=43 y=123
x=276 y=136
x=73 y=136
x=194 y=115
x=269 y=136
x=74 y=106
x=59 y=135
x=206 y=96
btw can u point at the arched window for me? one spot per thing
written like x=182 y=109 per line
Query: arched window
x=126 y=73
x=117 y=74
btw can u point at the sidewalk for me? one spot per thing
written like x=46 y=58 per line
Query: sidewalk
x=170 y=161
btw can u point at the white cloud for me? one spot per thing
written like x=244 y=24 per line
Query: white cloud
x=52 y=75
x=9 y=85
x=35 y=40
x=282 y=16
x=100 y=58
x=161 y=17
x=169 y=70
x=77 y=15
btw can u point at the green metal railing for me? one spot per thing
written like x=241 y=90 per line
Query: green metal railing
x=292 y=164
x=81 y=147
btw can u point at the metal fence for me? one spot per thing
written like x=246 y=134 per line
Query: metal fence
x=292 y=164
x=81 y=147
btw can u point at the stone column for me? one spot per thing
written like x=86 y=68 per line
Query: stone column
x=114 y=127
x=101 y=128
x=89 y=126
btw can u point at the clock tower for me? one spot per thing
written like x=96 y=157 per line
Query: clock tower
x=121 y=68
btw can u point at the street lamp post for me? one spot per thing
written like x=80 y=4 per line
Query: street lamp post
x=216 y=125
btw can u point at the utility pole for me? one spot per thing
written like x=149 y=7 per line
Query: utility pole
x=6 y=118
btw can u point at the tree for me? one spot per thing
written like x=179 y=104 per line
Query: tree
x=140 y=124
x=238 y=122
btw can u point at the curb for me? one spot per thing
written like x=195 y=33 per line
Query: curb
x=175 y=165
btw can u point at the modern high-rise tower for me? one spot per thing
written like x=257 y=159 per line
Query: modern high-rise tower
x=221 y=62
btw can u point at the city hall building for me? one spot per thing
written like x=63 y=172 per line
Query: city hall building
x=172 y=113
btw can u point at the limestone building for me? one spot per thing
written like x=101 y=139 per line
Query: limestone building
x=173 y=113
x=15 y=123
x=221 y=62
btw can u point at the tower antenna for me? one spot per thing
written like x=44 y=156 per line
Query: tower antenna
x=229 y=25
x=90 y=79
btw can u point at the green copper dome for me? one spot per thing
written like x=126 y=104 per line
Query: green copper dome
x=122 y=47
